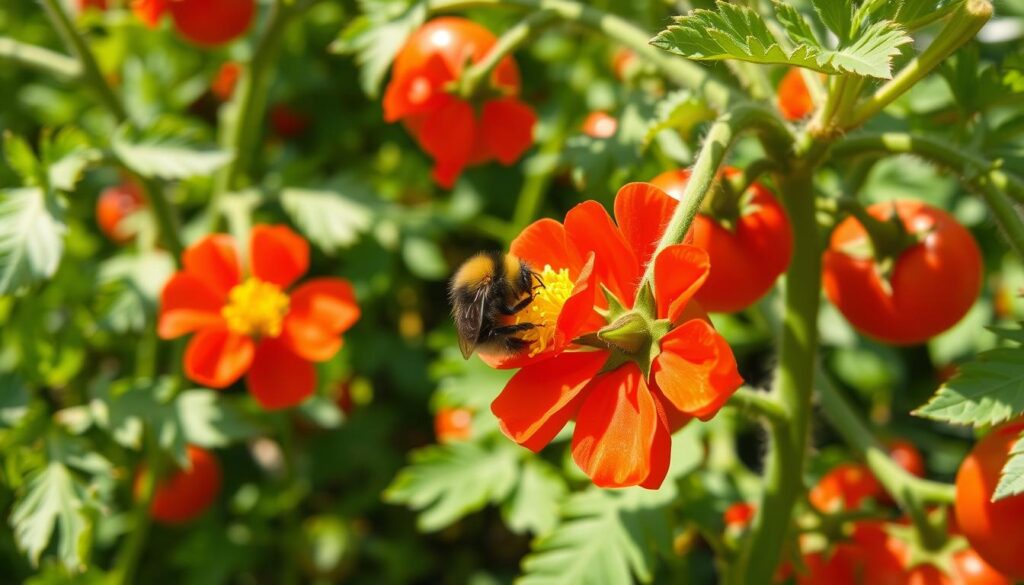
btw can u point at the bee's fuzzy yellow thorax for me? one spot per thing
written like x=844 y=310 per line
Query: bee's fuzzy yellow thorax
x=475 y=271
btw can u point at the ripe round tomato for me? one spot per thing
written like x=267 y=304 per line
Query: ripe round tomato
x=906 y=455
x=844 y=487
x=931 y=286
x=794 y=100
x=456 y=40
x=453 y=424
x=973 y=570
x=113 y=206
x=745 y=260
x=212 y=22
x=600 y=125
x=187 y=493
x=993 y=528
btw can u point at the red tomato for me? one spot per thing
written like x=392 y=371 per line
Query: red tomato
x=844 y=487
x=149 y=11
x=223 y=85
x=623 y=61
x=600 y=125
x=993 y=528
x=287 y=122
x=453 y=424
x=931 y=286
x=794 y=100
x=906 y=455
x=973 y=570
x=187 y=493
x=115 y=204
x=746 y=260
x=739 y=514
x=837 y=567
x=212 y=22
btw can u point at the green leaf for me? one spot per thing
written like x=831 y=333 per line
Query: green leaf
x=446 y=482
x=987 y=391
x=333 y=220
x=737 y=32
x=424 y=257
x=23 y=161
x=680 y=110
x=376 y=36
x=604 y=536
x=14 y=399
x=837 y=15
x=53 y=507
x=1011 y=481
x=167 y=150
x=794 y=22
x=66 y=156
x=31 y=237
x=533 y=506
x=131 y=286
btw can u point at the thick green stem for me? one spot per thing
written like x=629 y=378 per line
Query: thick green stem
x=241 y=127
x=39 y=58
x=1005 y=214
x=783 y=483
x=762 y=404
x=716 y=92
x=961 y=27
x=508 y=43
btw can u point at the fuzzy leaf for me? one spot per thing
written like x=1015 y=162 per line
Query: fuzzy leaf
x=737 y=32
x=1011 y=481
x=533 y=506
x=837 y=15
x=31 y=237
x=446 y=482
x=331 y=219
x=66 y=155
x=794 y=22
x=167 y=150
x=680 y=110
x=988 y=390
x=53 y=507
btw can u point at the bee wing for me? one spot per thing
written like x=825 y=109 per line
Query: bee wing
x=472 y=320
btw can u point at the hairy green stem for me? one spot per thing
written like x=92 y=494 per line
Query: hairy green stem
x=783 y=483
x=508 y=43
x=39 y=58
x=960 y=28
x=1005 y=214
x=761 y=404
x=681 y=71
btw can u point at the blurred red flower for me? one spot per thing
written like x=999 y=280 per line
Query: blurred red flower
x=624 y=416
x=453 y=131
x=251 y=325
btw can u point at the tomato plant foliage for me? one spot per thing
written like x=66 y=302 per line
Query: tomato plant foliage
x=766 y=290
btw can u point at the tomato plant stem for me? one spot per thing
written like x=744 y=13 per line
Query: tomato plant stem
x=1006 y=215
x=960 y=28
x=783 y=484
x=39 y=58
x=127 y=561
x=762 y=404
x=508 y=43
x=716 y=92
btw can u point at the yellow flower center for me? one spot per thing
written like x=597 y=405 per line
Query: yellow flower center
x=545 y=308
x=256 y=307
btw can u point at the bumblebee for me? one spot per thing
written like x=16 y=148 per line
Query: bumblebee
x=486 y=290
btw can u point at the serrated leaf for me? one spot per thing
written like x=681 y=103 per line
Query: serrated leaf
x=837 y=15
x=207 y=420
x=446 y=482
x=132 y=285
x=604 y=536
x=680 y=110
x=376 y=36
x=794 y=22
x=54 y=507
x=737 y=32
x=31 y=237
x=987 y=391
x=168 y=151
x=331 y=219
x=533 y=506
x=22 y=160
x=14 y=399
x=66 y=156
x=1011 y=481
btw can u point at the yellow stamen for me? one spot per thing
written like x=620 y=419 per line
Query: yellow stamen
x=256 y=307
x=545 y=308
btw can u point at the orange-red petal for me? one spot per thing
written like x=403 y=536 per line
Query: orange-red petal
x=278 y=378
x=214 y=260
x=590 y=228
x=507 y=127
x=218 y=357
x=447 y=135
x=188 y=304
x=149 y=11
x=696 y=370
x=544 y=242
x=642 y=212
x=320 y=311
x=277 y=254
x=540 y=398
x=679 y=272
x=617 y=428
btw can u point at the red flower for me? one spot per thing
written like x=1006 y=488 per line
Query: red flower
x=624 y=416
x=149 y=11
x=251 y=325
x=454 y=132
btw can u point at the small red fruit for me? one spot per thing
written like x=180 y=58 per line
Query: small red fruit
x=149 y=11
x=844 y=487
x=223 y=85
x=623 y=61
x=992 y=528
x=907 y=456
x=746 y=258
x=739 y=515
x=113 y=206
x=187 y=493
x=794 y=100
x=600 y=125
x=211 y=23
x=453 y=424
x=931 y=284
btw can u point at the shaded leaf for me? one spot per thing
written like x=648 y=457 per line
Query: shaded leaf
x=681 y=111
x=31 y=237
x=533 y=506
x=333 y=220
x=987 y=391
x=376 y=35
x=167 y=150
x=14 y=399
x=23 y=161
x=837 y=15
x=794 y=22
x=66 y=156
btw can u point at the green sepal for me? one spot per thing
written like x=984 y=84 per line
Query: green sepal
x=629 y=333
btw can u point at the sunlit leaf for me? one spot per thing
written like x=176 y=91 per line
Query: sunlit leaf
x=988 y=390
x=1011 y=482
x=376 y=35
x=333 y=220
x=54 y=507
x=31 y=237
x=533 y=506
x=167 y=150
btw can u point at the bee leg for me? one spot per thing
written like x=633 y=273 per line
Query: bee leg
x=511 y=329
x=518 y=306
x=514 y=344
x=540 y=281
